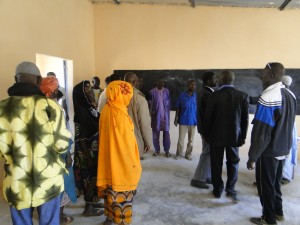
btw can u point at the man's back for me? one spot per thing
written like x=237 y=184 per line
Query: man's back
x=32 y=135
x=139 y=112
x=226 y=117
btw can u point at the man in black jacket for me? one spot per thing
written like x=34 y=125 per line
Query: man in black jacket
x=202 y=174
x=271 y=141
x=226 y=122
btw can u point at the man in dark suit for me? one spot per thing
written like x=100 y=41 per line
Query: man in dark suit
x=202 y=174
x=226 y=122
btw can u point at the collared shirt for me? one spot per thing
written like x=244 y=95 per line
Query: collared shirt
x=187 y=105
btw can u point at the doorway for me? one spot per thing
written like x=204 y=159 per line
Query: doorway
x=63 y=68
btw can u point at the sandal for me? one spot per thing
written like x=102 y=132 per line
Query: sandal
x=66 y=219
x=98 y=205
x=92 y=212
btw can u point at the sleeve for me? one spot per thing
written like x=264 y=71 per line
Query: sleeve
x=61 y=135
x=208 y=115
x=263 y=124
x=145 y=122
x=244 y=118
x=102 y=101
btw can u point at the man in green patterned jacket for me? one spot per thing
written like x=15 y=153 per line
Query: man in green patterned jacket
x=33 y=134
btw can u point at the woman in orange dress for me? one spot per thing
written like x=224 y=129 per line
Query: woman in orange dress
x=119 y=168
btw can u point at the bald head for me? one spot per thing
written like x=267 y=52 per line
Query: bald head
x=272 y=74
x=226 y=77
x=132 y=78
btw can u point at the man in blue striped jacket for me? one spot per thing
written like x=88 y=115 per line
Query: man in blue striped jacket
x=271 y=141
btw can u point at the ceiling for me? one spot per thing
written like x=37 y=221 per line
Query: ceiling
x=286 y=4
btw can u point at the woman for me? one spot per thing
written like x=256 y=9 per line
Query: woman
x=49 y=86
x=86 y=120
x=119 y=168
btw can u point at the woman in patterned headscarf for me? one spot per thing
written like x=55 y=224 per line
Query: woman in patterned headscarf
x=86 y=120
x=119 y=168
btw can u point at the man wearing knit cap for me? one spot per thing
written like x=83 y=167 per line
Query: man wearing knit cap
x=32 y=136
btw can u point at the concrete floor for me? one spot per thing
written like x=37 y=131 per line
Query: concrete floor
x=165 y=196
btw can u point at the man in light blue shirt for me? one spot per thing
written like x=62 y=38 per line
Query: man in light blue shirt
x=186 y=117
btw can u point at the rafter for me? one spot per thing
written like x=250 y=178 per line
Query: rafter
x=284 y=4
x=193 y=3
x=117 y=1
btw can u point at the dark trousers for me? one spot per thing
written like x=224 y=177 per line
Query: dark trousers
x=268 y=175
x=232 y=164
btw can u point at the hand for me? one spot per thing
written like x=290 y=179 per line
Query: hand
x=146 y=149
x=69 y=160
x=241 y=142
x=250 y=165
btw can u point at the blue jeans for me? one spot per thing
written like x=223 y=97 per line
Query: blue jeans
x=203 y=171
x=48 y=213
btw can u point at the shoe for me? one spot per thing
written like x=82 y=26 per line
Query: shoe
x=285 y=181
x=260 y=221
x=155 y=154
x=208 y=181
x=233 y=197
x=107 y=222
x=279 y=218
x=217 y=194
x=142 y=158
x=168 y=155
x=188 y=157
x=98 y=205
x=199 y=184
x=65 y=219
x=177 y=157
x=91 y=211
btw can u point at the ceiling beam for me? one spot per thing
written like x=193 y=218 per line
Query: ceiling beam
x=193 y=3
x=118 y=2
x=284 y=4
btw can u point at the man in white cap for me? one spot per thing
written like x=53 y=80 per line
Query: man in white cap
x=291 y=161
x=33 y=134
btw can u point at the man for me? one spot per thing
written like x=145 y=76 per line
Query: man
x=33 y=134
x=186 y=117
x=102 y=97
x=96 y=88
x=226 y=121
x=61 y=96
x=291 y=161
x=160 y=116
x=202 y=174
x=138 y=110
x=271 y=141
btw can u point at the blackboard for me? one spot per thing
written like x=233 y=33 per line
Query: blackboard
x=247 y=80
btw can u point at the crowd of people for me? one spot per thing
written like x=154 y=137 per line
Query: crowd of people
x=116 y=126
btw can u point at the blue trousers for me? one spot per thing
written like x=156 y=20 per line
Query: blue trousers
x=166 y=140
x=48 y=213
x=203 y=171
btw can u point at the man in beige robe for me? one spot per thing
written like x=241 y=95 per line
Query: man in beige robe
x=138 y=111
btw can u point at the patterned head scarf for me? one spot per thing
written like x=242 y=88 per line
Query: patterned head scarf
x=86 y=117
x=49 y=85
x=119 y=94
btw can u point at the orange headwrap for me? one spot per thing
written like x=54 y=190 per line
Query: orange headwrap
x=49 y=85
